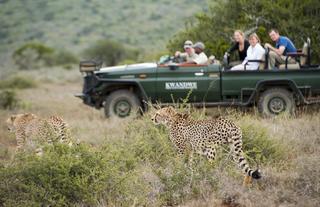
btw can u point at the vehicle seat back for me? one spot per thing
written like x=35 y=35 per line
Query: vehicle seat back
x=301 y=60
x=305 y=59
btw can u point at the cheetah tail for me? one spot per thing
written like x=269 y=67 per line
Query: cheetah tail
x=256 y=174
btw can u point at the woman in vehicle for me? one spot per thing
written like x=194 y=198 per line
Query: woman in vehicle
x=254 y=52
x=240 y=45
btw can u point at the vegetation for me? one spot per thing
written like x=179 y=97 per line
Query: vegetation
x=34 y=55
x=132 y=162
x=79 y=24
x=8 y=99
x=140 y=168
x=295 y=19
x=111 y=53
x=125 y=163
x=17 y=82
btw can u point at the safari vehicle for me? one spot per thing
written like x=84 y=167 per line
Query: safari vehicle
x=123 y=90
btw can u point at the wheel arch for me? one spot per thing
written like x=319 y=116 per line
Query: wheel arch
x=133 y=86
x=287 y=84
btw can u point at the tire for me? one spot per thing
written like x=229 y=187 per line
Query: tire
x=275 y=101
x=121 y=104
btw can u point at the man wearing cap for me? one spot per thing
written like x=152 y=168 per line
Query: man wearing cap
x=202 y=58
x=189 y=55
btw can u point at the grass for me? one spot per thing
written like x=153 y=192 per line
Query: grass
x=135 y=164
x=17 y=82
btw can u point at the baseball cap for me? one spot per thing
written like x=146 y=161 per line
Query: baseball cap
x=188 y=44
x=199 y=45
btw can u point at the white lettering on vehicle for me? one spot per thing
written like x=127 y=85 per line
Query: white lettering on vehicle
x=181 y=85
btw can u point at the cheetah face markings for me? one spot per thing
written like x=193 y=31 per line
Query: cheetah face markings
x=9 y=123
x=163 y=116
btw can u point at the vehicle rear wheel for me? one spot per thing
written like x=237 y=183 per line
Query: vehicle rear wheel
x=275 y=101
x=122 y=103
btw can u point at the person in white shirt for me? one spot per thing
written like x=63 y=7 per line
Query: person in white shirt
x=202 y=58
x=254 y=52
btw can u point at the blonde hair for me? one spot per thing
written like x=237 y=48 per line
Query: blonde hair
x=255 y=35
x=240 y=32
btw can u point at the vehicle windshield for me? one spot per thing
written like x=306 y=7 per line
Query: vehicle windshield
x=164 y=59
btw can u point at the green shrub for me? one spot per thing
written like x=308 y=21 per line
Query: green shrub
x=8 y=99
x=259 y=147
x=36 y=55
x=110 y=52
x=17 y=82
x=32 y=55
x=63 y=176
x=61 y=57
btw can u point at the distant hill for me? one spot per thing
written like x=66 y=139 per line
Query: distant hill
x=77 y=24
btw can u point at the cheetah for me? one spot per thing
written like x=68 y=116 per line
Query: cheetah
x=204 y=136
x=30 y=128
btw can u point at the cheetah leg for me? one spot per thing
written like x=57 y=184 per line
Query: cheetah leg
x=20 y=138
x=191 y=161
x=247 y=181
x=210 y=153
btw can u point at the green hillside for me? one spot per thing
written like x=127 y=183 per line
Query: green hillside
x=77 y=24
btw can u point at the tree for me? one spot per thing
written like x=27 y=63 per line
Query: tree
x=110 y=52
x=295 y=19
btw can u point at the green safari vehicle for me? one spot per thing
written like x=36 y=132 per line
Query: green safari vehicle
x=123 y=90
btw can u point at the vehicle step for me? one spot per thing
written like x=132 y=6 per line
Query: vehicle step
x=313 y=100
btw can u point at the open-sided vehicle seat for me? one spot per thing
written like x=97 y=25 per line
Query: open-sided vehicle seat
x=302 y=58
x=263 y=62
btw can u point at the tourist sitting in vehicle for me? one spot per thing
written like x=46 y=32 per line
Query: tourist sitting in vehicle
x=255 y=52
x=240 y=45
x=189 y=55
x=283 y=46
x=201 y=58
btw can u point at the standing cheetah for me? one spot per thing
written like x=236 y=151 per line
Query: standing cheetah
x=203 y=136
x=29 y=127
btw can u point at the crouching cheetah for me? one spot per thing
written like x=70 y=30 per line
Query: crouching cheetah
x=203 y=136
x=31 y=128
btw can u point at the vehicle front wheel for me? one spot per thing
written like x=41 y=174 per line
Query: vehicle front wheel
x=275 y=101
x=122 y=103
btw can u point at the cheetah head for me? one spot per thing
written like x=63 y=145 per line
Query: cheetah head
x=15 y=121
x=164 y=116
x=10 y=123
x=168 y=115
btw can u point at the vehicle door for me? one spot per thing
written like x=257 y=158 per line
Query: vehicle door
x=179 y=82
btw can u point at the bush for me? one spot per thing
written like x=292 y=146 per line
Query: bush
x=32 y=55
x=259 y=147
x=8 y=99
x=17 y=82
x=63 y=176
x=61 y=57
x=110 y=52
x=36 y=55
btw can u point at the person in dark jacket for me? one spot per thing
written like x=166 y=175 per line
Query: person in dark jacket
x=240 y=45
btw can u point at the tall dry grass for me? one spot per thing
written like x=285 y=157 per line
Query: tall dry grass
x=290 y=168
